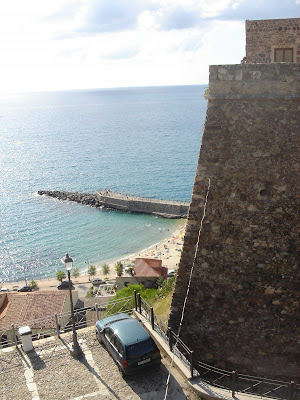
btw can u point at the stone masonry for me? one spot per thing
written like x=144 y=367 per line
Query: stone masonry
x=116 y=201
x=162 y=208
x=263 y=36
x=242 y=311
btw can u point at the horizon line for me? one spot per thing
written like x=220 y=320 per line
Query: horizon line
x=10 y=93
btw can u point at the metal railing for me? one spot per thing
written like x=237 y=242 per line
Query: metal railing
x=85 y=317
x=229 y=380
x=61 y=323
x=247 y=384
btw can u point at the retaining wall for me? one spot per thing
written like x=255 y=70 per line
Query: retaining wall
x=161 y=208
x=242 y=311
x=168 y=209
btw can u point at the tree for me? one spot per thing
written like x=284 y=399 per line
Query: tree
x=105 y=269
x=60 y=275
x=91 y=271
x=33 y=284
x=119 y=268
x=75 y=272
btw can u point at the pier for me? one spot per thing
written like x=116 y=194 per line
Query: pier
x=161 y=208
x=121 y=202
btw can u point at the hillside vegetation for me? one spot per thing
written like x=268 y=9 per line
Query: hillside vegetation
x=160 y=299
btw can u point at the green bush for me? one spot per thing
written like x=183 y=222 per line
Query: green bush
x=119 y=268
x=166 y=288
x=90 y=293
x=147 y=294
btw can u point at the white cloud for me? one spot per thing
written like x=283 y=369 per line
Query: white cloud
x=68 y=44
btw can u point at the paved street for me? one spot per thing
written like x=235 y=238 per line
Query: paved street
x=49 y=372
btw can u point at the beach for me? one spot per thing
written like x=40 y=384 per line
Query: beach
x=168 y=250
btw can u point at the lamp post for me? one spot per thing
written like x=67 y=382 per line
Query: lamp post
x=76 y=349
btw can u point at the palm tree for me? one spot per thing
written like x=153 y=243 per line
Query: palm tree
x=60 y=275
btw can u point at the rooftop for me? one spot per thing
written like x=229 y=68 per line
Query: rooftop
x=22 y=307
x=149 y=267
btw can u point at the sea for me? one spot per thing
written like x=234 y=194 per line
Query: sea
x=140 y=141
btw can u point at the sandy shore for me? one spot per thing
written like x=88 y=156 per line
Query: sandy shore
x=168 y=250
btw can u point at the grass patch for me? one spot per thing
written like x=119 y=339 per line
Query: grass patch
x=162 y=307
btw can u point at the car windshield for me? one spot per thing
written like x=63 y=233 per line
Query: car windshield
x=139 y=349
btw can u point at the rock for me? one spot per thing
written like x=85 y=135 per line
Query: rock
x=276 y=302
x=270 y=290
x=261 y=266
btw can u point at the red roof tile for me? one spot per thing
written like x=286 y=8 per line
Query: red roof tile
x=20 y=308
x=149 y=267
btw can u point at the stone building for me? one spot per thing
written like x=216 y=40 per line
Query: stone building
x=242 y=233
x=273 y=40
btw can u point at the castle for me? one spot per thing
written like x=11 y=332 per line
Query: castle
x=242 y=235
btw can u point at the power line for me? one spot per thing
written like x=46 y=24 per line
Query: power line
x=188 y=287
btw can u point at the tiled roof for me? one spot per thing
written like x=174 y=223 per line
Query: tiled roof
x=149 y=267
x=20 y=308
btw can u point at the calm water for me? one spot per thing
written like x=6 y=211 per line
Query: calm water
x=140 y=141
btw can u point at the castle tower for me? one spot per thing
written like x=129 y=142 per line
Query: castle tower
x=242 y=312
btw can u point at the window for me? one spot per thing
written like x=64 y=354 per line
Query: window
x=118 y=345
x=283 y=55
x=108 y=334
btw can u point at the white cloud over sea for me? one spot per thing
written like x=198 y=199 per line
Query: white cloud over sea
x=77 y=44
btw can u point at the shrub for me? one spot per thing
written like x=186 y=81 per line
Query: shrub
x=147 y=294
x=119 y=268
x=90 y=292
x=166 y=288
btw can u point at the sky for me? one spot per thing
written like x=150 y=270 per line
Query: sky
x=82 y=44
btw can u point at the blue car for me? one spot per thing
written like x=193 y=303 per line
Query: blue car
x=127 y=341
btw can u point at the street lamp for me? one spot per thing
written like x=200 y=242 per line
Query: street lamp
x=76 y=349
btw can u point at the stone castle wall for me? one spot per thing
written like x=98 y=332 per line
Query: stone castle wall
x=263 y=36
x=242 y=311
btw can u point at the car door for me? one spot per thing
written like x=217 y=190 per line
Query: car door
x=107 y=337
x=118 y=350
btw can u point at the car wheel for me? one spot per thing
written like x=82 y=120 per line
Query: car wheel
x=121 y=370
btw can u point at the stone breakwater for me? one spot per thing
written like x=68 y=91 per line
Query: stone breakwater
x=83 y=198
x=132 y=204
